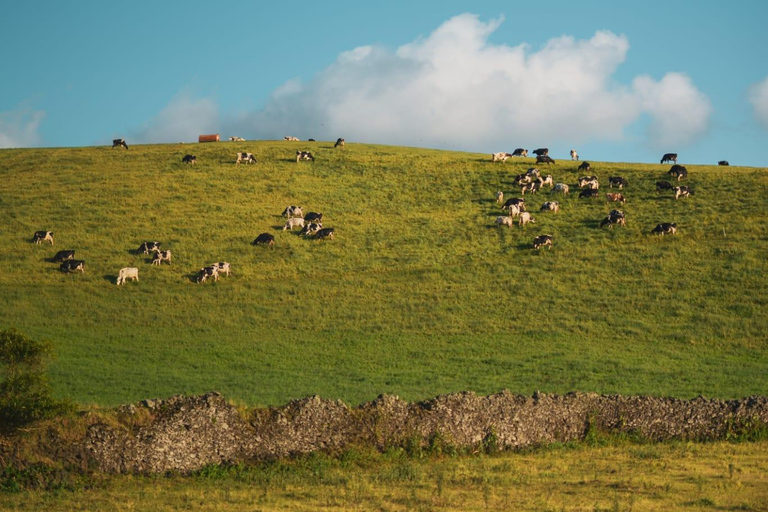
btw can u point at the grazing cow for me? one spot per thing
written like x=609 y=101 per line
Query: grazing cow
x=520 y=152
x=324 y=233
x=678 y=171
x=499 y=196
x=73 y=266
x=310 y=140
x=119 y=142
x=313 y=217
x=293 y=211
x=505 y=221
x=547 y=180
x=542 y=240
x=304 y=155
x=521 y=179
x=311 y=228
x=64 y=256
x=544 y=159
x=665 y=228
x=561 y=187
x=589 y=182
x=574 y=155
x=550 y=206
x=292 y=222
x=618 y=181
x=616 y=217
x=222 y=267
x=208 y=272
x=589 y=193
x=237 y=139
x=127 y=273
x=248 y=158
x=530 y=187
x=541 y=152
x=500 y=157
x=339 y=143
x=616 y=197
x=514 y=201
x=161 y=256
x=533 y=172
x=669 y=157
x=723 y=162
x=514 y=210
x=43 y=236
x=525 y=218
x=147 y=247
x=585 y=166
x=663 y=185
x=292 y=139
x=264 y=239
x=189 y=159
x=682 y=192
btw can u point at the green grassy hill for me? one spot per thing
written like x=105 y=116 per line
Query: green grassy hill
x=419 y=293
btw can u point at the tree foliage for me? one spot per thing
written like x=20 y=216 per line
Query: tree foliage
x=25 y=394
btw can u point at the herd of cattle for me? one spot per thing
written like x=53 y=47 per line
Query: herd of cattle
x=532 y=181
x=310 y=224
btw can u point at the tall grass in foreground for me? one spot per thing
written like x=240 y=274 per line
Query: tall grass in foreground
x=419 y=294
x=617 y=476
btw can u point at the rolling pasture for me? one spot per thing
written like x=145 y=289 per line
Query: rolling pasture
x=419 y=294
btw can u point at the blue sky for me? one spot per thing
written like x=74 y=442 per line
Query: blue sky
x=617 y=82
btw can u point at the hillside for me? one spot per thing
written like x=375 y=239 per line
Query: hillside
x=420 y=293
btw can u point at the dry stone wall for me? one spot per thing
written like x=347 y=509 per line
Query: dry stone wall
x=186 y=433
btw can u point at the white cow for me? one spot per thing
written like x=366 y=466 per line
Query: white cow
x=499 y=196
x=237 y=139
x=525 y=218
x=127 y=273
x=293 y=222
x=500 y=157
x=561 y=187
x=291 y=139
x=505 y=221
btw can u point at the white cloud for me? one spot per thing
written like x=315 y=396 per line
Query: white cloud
x=183 y=120
x=19 y=128
x=758 y=96
x=679 y=111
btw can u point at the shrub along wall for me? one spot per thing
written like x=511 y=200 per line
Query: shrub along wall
x=186 y=433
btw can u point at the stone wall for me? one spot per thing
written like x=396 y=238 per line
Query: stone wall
x=186 y=433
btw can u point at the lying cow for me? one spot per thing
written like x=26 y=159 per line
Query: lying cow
x=682 y=192
x=505 y=221
x=292 y=211
x=499 y=157
x=43 y=236
x=561 y=187
x=616 y=197
x=118 y=143
x=189 y=159
x=525 y=218
x=520 y=152
x=723 y=162
x=293 y=222
x=325 y=233
x=339 y=143
x=618 y=181
x=574 y=155
x=147 y=247
x=64 y=256
x=161 y=256
x=222 y=267
x=542 y=240
x=292 y=139
x=665 y=228
x=205 y=273
x=248 y=158
x=678 y=171
x=550 y=206
x=264 y=239
x=615 y=218
x=544 y=159
x=669 y=157
x=73 y=266
x=237 y=139
x=304 y=155
x=663 y=185
x=589 y=193
x=541 y=152
x=127 y=273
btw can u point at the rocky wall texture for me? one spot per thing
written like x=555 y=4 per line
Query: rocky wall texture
x=186 y=433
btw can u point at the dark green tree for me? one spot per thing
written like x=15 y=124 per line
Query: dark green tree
x=25 y=394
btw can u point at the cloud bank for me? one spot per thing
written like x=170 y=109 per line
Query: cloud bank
x=456 y=89
x=19 y=128
x=758 y=97
x=181 y=121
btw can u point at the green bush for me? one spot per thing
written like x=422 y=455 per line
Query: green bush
x=25 y=395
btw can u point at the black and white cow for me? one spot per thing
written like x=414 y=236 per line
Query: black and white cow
x=520 y=152
x=614 y=218
x=147 y=247
x=665 y=228
x=313 y=217
x=119 y=142
x=73 y=266
x=264 y=239
x=324 y=233
x=339 y=143
x=293 y=211
x=304 y=155
x=669 y=157
x=618 y=181
x=542 y=240
x=64 y=255
x=541 y=152
x=161 y=256
x=723 y=162
x=544 y=159
x=589 y=193
x=42 y=236
x=189 y=159
x=248 y=158
x=678 y=171
x=663 y=185
x=682 y=192
x=311 y=228
x=514 y=201
x=550 y=206
x=205 y=273
x=585 y=166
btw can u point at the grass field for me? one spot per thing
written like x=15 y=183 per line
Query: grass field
x=419 y=293
x=615 y=477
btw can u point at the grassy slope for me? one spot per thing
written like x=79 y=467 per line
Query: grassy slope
x=419 y=294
